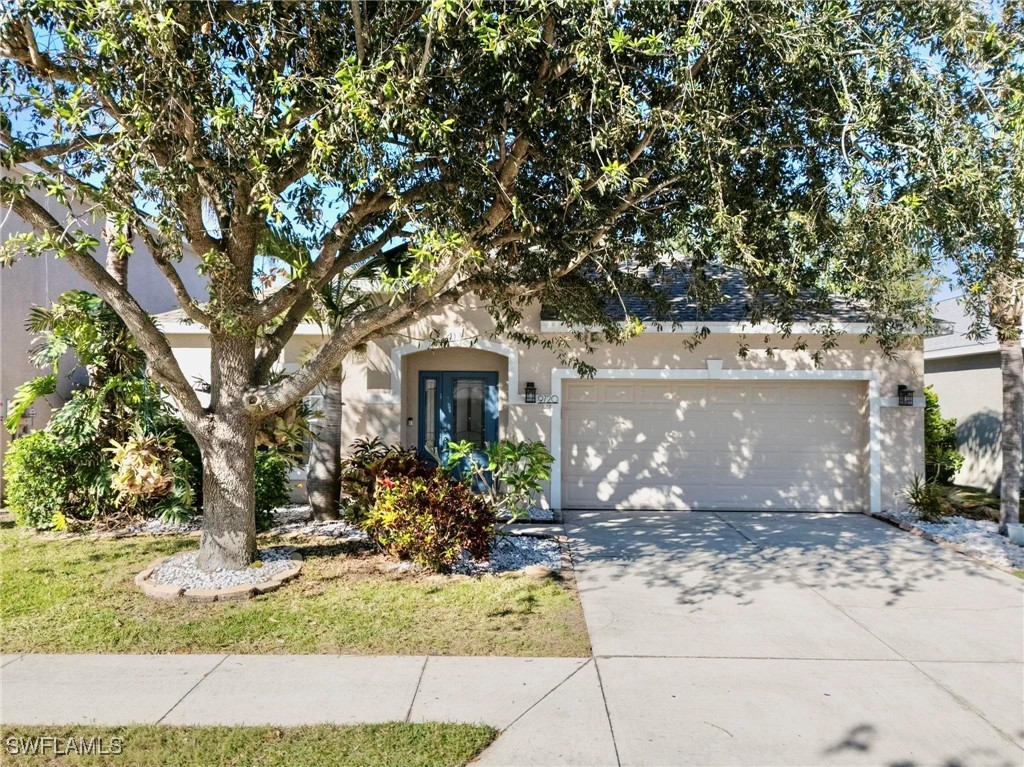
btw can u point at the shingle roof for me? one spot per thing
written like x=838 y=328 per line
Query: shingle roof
x=734 y=305
x=174 y=316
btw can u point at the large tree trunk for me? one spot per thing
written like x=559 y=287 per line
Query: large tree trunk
x=323 y=477
x=1012 y=361
x=1006 y=307
x=229 y=497
x=228 y=448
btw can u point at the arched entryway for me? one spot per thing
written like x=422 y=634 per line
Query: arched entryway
x=454 y=394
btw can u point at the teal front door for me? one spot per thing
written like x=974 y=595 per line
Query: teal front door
x=456 y=406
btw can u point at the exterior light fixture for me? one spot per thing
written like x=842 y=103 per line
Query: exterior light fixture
x=530 y=393
x=905 y=395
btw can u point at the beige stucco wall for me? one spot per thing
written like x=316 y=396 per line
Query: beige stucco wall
x=970 y=390
x=369 y=378
x=39 y=281
x=371 y=409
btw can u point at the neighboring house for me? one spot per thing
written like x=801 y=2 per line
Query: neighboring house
x=966 y=375
x=38 y=282
x=659 y=426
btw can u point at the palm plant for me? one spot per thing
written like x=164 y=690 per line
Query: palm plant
x=83 y=323
x=323 y=474
x=333 y=305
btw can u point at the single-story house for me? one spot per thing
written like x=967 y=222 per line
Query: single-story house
x=965 y=373
x=658 y=426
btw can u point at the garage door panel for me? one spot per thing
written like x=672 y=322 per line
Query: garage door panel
x=584 y=465
x=582 y=393
x=722 y=445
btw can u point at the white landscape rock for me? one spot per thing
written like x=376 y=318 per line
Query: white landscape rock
x=978 y=537
x=514 y=552
x=182 y=571
x=296 y=519
x=508 y=552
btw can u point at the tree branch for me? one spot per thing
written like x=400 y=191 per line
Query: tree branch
x=276 y=341
x=141 y=225
x=188 y=304
x=327 y=262
x=274 y=398
x=162 y=362
x=39 y=153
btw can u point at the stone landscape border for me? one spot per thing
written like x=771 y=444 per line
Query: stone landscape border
x=167 y=592
x=962 y=550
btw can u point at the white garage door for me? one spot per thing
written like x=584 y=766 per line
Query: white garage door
x=714 y=445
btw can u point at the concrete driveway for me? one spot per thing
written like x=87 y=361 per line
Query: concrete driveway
x=781 y=639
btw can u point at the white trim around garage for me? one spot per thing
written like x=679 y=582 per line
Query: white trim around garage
x=394 y=396
x=715 y=372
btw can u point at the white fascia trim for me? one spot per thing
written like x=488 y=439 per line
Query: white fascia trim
x=558 y=375
x=962 y=351
x=394 y=397
x=195 y=329
x=728 y=328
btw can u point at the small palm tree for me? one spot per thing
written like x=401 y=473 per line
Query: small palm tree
x=335 y=303
x=323 y=473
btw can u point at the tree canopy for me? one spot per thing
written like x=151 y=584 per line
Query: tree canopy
x=537 y=151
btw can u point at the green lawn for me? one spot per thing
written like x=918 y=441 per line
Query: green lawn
x=77 y=595
x=382 y=745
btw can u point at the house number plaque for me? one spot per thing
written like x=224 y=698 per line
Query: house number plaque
x=547 y=399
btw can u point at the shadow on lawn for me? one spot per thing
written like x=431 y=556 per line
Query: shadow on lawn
x=319 y=550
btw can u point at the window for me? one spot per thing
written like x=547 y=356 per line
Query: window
x=430 y=411
x=468 y=410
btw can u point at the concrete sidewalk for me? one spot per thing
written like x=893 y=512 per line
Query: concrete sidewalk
x=273 y=689
x=589 y=712
x=552 y=708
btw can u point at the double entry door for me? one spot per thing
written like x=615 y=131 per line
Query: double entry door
x=456 y=406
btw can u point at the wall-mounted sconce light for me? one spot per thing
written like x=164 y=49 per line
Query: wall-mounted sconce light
x=905 y=396
x=530 y=393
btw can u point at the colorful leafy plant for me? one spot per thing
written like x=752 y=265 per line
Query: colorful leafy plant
x=431 y=520
x=510 y=474
x=368 y=462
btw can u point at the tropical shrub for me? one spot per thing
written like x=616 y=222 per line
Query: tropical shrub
x=38 y=470
x=142 y=467
x=120 y=460
x=189 y=464
x=131 y=453
x=271 y=485
x=508 y=473
x=367 y=463
x=430 y=520
x=118 y=395
x=927 y=499
x=150 y=472
x=941 y=458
